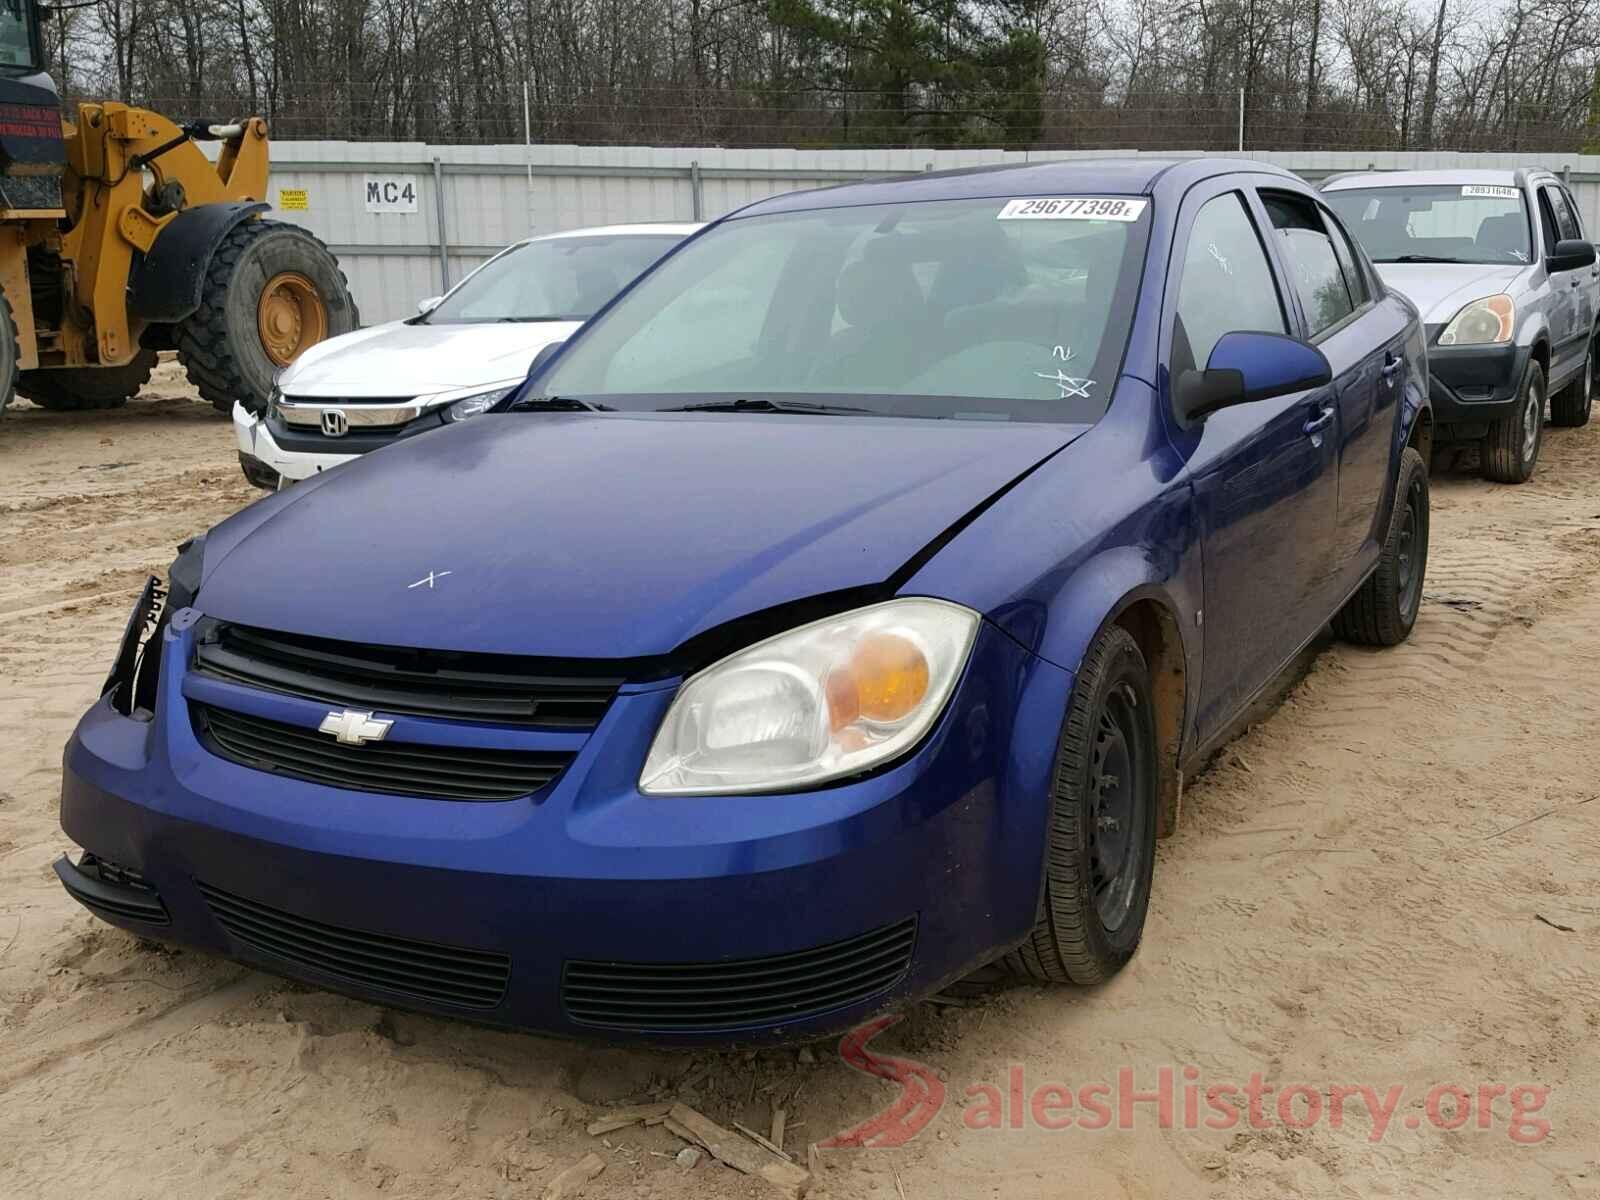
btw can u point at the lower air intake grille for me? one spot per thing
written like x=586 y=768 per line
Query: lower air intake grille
x=398 y=768
x=727 y=995
x=442 y=974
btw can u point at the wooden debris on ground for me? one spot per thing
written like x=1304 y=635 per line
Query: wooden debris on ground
x=621 y=1118
x=574 y=1177
x=780 y=1122
x=741 y=1153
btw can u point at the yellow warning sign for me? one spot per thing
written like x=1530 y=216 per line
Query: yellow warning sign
x=294 y=199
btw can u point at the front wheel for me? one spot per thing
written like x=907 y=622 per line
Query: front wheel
x=272 y=292
x=1385 y=608
x=1101 y=842
x=1512 y=448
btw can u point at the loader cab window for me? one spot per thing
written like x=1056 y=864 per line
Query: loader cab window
x=18 y=36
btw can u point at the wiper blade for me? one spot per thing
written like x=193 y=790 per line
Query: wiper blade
x=557 y=404
x=1417 y=258
x=745 y=404
x=528 y=320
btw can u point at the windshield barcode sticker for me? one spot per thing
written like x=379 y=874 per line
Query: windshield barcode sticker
x=1490 y=189
x=1072 y=208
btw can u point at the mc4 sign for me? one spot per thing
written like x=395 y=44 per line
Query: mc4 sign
x=392 y=193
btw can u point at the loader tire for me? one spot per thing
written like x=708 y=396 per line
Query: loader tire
x=79 y=389
x=8 y=354
x=271 y=292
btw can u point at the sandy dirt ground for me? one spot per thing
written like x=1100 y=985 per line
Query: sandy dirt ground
x=1392 y=881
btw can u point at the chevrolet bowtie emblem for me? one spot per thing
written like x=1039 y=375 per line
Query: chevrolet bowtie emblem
x=354 y=728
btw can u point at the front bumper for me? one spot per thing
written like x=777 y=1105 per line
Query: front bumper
x=587 y=872
x=1475 y=384
x=257 y=445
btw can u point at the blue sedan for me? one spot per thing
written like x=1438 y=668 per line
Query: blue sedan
x=839 y=611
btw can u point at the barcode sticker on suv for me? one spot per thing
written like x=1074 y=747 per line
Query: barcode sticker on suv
x=1490 y=189
x=1072 y=208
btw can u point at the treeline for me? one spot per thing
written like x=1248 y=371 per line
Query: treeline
x=1148 y=74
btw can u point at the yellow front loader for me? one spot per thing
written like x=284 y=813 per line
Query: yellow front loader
x=120 y=238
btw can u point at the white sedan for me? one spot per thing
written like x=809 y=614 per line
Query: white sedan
x=462 y=352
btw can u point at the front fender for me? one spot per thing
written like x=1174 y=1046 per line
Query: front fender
x=167 y=282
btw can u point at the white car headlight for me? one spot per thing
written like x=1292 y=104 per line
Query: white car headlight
x=826 y=700
x=1481 y=323
x=478 y=402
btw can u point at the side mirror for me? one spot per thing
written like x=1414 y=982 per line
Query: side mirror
x=1245 y=367
x=546 y=353
x=1572 y=254
x=424 y=307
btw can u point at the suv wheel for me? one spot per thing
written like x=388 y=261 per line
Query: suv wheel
x=1570 y=406
x=1512 y=447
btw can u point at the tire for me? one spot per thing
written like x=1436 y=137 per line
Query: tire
x=1511 y=450
x=1570 y=406
x=223 y=344
x=9 y=353
x=1089 y=925
x=1384 y=610
x=81 y=389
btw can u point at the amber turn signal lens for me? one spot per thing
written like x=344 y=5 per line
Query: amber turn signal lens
x=891 y=676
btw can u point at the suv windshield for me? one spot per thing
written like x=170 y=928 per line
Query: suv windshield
x=16 y=35
x=1459 y=223
x=945 y=308
x=559 y=279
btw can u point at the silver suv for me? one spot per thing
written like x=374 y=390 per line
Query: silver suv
x=1506 y=280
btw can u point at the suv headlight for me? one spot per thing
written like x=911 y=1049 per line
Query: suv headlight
x=478 y=402
x=1481 y=323
x=823 y=701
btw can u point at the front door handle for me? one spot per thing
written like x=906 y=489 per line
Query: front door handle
x=1391 y=365
x=1319 y=422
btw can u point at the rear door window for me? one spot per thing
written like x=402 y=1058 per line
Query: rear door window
x=1311 y=260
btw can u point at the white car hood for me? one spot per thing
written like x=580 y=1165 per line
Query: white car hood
x=413 y=360
x=1441 y=290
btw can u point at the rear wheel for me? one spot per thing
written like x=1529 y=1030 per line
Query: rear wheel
x=271 y=293
x=8 y=354
x=1570 y=406
x=78 y=389
x=1383 y=611
x=1512 y=448
x=1101 y=842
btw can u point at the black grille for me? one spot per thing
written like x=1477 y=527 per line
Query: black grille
x=727 y=995
x=116 y=890
x=443 y=974
x=397 y=768
x=497 y=688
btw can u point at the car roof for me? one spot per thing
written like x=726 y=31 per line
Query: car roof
x=1445 y=176
x=657 y=229
x=1130 y=176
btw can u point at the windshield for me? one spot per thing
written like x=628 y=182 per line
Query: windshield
x=981 y=308
x=559 y=279
x=1464 y=223
x=16 y=34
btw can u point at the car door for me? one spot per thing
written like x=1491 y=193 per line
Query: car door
x=1568 y=333
x=1264 y=474
x=1372 y=341
x=1589 y=277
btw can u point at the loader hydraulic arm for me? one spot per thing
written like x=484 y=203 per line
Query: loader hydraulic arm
x=130 y=172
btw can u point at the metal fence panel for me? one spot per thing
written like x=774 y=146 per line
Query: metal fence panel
x=493 y=195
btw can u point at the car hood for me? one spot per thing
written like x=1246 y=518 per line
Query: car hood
x=1440 y=290
x=604 y=536
x=398 y=359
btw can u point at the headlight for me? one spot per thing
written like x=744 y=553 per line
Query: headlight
x=1481 y=323
x=478 y=402
x=826 y=700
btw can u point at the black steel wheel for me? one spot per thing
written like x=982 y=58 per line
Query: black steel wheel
x=1100 y=843
x=1570 y=406
x=1384 y=609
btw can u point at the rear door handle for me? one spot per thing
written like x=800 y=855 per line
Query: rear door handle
x=1319 y=422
